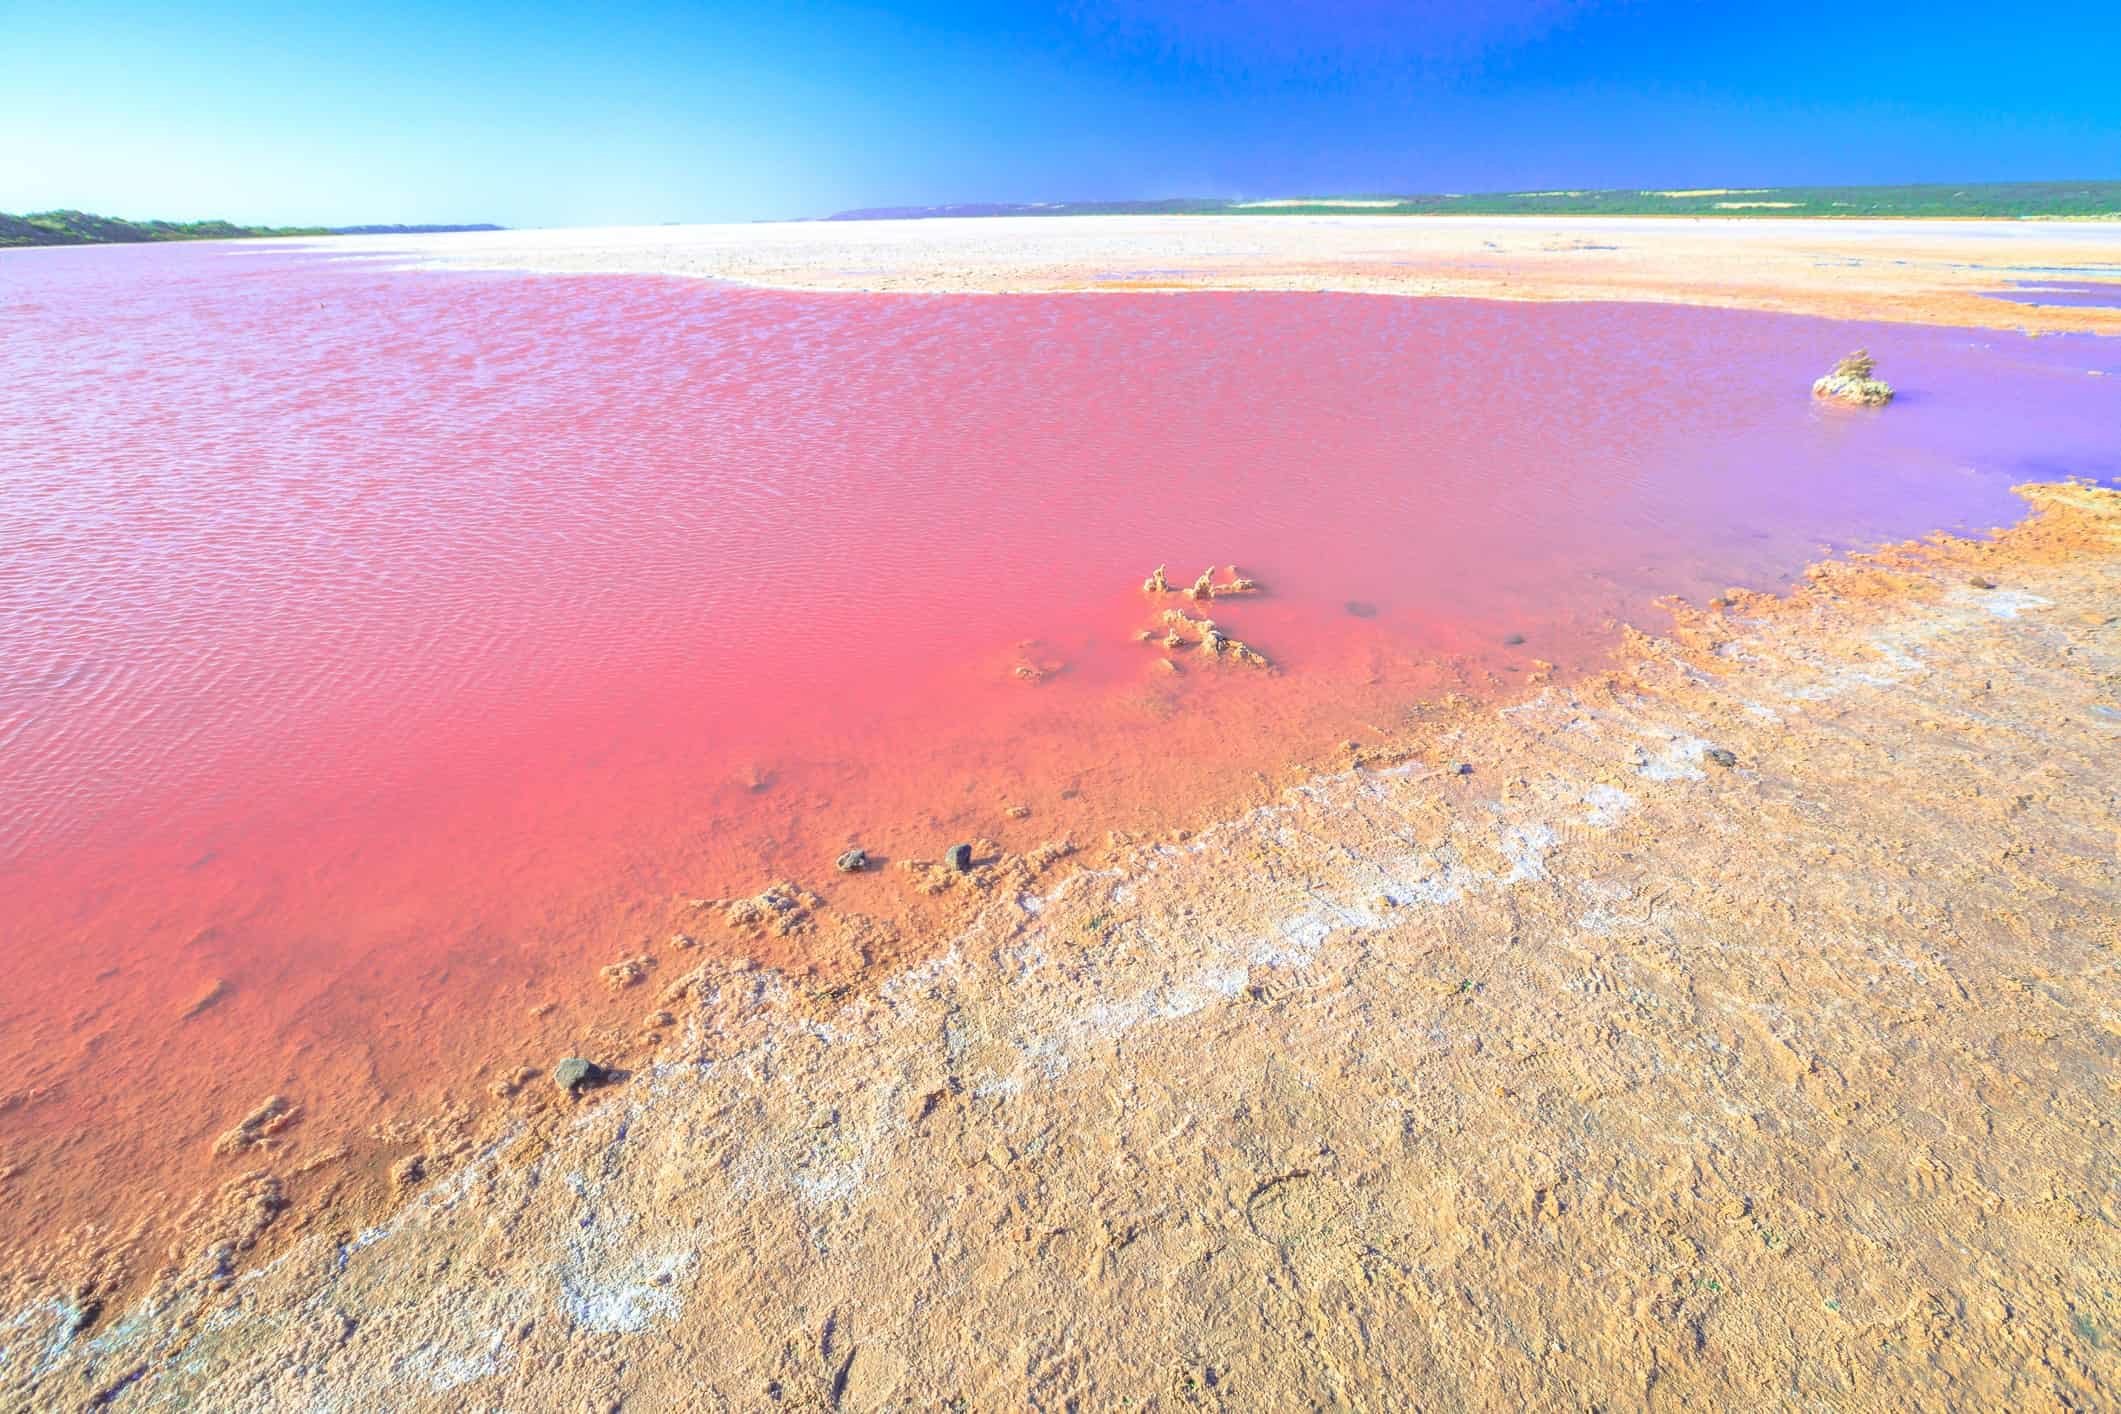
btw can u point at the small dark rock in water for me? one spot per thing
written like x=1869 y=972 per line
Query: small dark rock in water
x=575 y=1074
x=854 y=861
x=1362 y=609
x=960 y=858
x=1722 y=757
x=1982 y=581
x=1514 y=640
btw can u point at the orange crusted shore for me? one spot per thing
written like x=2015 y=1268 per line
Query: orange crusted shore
x=1718 y=1025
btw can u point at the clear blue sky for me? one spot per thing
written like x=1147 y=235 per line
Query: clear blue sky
x=530 y=113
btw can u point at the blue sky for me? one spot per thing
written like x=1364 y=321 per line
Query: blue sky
x=530 y=113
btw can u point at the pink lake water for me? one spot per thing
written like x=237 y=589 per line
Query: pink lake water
x=381 y=651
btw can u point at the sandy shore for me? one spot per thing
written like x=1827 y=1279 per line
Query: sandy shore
x=1737 y=1031
x=1917 y=271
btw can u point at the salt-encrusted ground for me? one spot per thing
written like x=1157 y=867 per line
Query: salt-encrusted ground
x=1938 y=272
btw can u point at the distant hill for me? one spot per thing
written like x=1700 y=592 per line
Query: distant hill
x=2015 y=200
x=85 y=228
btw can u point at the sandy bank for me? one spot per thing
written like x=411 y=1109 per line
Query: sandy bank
x=1738 y=1030
x=1910 y=271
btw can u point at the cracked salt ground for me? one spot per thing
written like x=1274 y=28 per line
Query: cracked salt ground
x=1499 y=1096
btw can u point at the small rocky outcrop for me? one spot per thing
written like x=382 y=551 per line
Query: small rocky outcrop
x=1851 y=382
x=1204 y=588
x=574 y=1075
x=1207 y=635
x=1176 y=629
x=781 y=909
x=257 y=1128
x=626 y=972
x=1033 y=663
x=854 y=861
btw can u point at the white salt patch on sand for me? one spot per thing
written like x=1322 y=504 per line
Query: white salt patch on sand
x=624 y=1301
x=2009 y=603
x=1677 y=758
x=1526 y=846
x=1608 y=804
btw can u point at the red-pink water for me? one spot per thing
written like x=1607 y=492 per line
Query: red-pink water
x=390 y=648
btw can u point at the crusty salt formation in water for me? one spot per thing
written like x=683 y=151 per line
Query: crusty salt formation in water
x=1851 y=382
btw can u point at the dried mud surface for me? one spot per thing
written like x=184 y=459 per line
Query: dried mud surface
x=1739 y=1030
x=1941 y=272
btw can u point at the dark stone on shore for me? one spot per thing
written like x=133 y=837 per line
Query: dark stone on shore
x=1722 y=757
x=1362 y=609
x=575 y=1075
x=1514 y=640
x=960 y=858
x=854 y=861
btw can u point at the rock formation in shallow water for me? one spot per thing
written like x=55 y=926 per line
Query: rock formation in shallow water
x=1203 y=588
x=780 y=910
x=1851 y=382
x=626 y=972
x=1182 y=630
x=258 y=1127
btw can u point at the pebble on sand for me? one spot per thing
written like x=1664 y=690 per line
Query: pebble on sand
x=575 y=1075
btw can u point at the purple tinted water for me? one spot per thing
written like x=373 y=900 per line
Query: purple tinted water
x=2082 y=294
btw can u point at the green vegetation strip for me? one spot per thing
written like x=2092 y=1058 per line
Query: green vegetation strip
x=2010 y=200
x=85 y=228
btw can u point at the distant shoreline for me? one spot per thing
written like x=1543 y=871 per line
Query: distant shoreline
x=1893 y=271
x=2047 y=201
x=68 y=228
